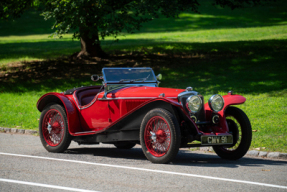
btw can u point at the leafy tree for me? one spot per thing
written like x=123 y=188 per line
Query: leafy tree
x=92 y=20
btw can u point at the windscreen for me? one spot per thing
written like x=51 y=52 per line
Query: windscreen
x=128 y=75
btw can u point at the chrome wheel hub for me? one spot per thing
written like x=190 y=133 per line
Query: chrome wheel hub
x=153 y=136
x=49 y=128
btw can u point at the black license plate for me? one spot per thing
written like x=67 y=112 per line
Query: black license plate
x=216 y=140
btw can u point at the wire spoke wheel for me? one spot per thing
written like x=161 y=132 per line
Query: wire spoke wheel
x=240 y=127
x=157 y=136
x=160 y=136
x=53 y=127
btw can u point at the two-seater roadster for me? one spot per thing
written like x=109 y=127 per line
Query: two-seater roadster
x=129 y=108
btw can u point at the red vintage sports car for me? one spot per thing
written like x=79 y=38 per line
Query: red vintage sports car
x=129 y=108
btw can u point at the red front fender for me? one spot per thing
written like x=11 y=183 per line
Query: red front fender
x=228 y=100
x=71 y=110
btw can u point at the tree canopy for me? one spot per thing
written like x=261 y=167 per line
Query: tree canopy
x=92 y=20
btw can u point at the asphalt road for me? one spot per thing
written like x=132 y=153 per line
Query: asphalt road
x=26 y=166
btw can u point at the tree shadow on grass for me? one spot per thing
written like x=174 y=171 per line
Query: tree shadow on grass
x=244 y=66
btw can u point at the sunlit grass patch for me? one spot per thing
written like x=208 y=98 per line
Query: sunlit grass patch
x=28 y=37
x=268 y=116
x=18 y=110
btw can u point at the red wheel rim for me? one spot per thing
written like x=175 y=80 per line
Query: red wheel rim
x=53 y=127
x=157 y=136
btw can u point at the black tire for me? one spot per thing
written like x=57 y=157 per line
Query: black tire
x=160 y=136
x=240 y=127
x=124 y=145
x=55 y=138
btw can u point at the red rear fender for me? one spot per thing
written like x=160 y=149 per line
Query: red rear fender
x=71 y=110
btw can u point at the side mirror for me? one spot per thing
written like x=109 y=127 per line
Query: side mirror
x=159 y=77
x=95 y=77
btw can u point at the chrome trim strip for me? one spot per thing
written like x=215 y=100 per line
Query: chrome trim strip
x=85 y=132
x=88 y=105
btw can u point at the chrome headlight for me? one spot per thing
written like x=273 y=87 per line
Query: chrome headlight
x=193 y=103
x=216 y=102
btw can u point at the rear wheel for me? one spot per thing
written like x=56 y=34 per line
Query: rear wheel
x=53 y=129
x=160 y=136
x=239 y=125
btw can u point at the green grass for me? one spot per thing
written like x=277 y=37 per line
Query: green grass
x=214 y=52
x=23 y=115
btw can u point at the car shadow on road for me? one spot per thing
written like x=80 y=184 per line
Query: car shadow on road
x=134 y=153
x=183 y=158
x=202 y=159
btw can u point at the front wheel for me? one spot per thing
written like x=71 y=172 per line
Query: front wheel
x=239 y=124
x=53 y=129
x=160 y=136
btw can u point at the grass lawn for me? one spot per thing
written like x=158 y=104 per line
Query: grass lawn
x=214 y=52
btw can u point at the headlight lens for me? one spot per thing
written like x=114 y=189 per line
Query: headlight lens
x=193 y=103
x=216 y=102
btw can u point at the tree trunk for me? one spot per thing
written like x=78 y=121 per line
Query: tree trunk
x=91 y=47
